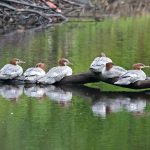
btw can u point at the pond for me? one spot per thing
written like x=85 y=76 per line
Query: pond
x=91 y=117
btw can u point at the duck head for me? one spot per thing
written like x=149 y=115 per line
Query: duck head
x=64 y=62
x=16 y=61
x=139 y=66
x=41 y=65
x=109 y=65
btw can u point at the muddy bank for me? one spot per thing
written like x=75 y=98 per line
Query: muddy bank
x=27 y=14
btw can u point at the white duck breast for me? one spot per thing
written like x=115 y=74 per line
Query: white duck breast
x=115 y=71
x=56 y=74
x=10 y=71
x=131 y=76
x=99 y=63
x=33 y=74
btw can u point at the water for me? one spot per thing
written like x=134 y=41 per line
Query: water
x=92 y=117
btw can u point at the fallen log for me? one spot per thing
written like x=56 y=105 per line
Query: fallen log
x=90 y=77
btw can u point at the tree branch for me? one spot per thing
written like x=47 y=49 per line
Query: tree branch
x=73 y=3
x=27 y=4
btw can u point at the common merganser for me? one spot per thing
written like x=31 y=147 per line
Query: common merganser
x=112 y=71
x=34 y=73
x=99 y=63
x=132 y=76
x=57 y=73
x=12 y=70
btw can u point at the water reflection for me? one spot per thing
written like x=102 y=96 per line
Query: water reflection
x=105 y=103
x=11 y=92
x=102 y=103
x=34 y=91
x=20 y=40
x=59 y=95
x=111 y=105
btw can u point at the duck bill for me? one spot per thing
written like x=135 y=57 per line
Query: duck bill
x=21 y=62
x=145 y=66
x=70 y=63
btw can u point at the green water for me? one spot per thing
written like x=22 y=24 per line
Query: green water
x=96 y=117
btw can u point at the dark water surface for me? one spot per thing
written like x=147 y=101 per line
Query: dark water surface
x=93 y=117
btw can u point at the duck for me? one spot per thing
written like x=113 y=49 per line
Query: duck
x=11 y=70
x=99 y=63
x=131 y=76
x=34 y=73
x=57 y=73
x=112 y=71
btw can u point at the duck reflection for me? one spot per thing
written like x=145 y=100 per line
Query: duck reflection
x=135 y=104
x=99 y=108
x=137 y=107
x=114 y=104
x=59 y=95
x=102 y=103
x=111 y=105
x=34 y=91
x=11 y=92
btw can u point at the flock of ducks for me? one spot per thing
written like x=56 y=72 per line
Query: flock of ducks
x=36 y=74
x=105 y=66
x=101 y=64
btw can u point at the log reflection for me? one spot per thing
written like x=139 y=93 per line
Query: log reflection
x=102 y=103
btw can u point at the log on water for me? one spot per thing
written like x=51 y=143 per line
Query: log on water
x=90 y=77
